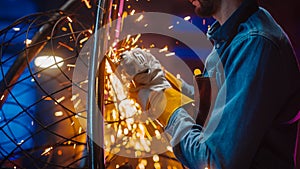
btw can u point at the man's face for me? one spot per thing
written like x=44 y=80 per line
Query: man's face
x=206 y=8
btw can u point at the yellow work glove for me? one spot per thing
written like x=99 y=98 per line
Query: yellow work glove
x=157 y=96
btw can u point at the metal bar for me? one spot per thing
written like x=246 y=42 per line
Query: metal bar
x=95 y=124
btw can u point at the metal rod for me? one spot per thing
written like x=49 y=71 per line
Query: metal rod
x=95 y=124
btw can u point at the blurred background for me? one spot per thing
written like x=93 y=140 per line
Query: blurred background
x=285 y=12
x=39 y=127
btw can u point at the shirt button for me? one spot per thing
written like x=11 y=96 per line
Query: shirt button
x=217 y=46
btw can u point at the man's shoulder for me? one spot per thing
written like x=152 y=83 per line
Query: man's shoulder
x=262 y=24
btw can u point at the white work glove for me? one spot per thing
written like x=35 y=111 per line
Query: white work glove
x=144 y=69
x=155 y=93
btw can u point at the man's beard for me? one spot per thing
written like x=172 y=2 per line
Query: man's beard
x=207 y=7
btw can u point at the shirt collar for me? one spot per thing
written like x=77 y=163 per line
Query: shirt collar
x=229 y=29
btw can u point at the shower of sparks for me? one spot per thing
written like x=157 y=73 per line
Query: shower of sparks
x=141 y=17
x=66 y=46
x=28 y=42
x=64 y=29
x=58 y=114
x=77 y=103
x=170 y=54
x=71 y=65
x=83 y=40
x=165 y=49
x=120 y=106
x=47 y=151
x=79 y=130
x=187 y=18
x=74 y=97
x=60 y=99
x=71 y=29
x=135 y=39
x=16 y=29
x=69 y=19
x=87 y=3
x=115 y=6
x=132 y=12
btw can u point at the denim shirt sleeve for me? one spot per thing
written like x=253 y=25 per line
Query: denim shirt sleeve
x=187 y=89
x=253 y=100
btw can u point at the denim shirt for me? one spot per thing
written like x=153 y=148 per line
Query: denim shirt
x=253 y=122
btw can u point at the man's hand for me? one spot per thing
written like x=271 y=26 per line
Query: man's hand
x=144 y=69
x=155 y=93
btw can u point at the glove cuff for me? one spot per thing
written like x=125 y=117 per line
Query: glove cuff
x=175 y=83
x=171 y=101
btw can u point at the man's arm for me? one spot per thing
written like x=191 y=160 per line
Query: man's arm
x=253 y=100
